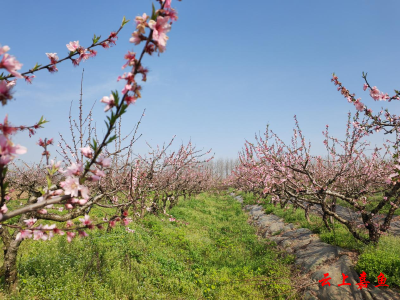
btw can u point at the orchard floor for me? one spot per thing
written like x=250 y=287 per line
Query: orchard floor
x=216 y=256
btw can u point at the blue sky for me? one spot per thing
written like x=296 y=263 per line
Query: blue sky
x=230 y=68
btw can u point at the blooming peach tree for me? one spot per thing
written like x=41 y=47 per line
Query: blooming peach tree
x=73 y=186
x=364 y=179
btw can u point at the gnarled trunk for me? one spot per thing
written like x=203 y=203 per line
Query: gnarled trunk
x=10 y=265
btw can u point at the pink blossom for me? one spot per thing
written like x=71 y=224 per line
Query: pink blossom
x=150 y=49
x=4 y=209
x=144 y=72
x=52 y=69
x=94 y=178
x=74 y=200
x=127 y=88
x=87 y=152
x=71 y=186
x=49 y=230
x=40 y=143
x=73 y=46
x=129 y=77
x=98 y=172
x=4 y=49
x=105 y=45
x=136 y=38
x=131 y=59
x=30 y=222
x=24 y=234
x=141 y=23
x=82 y=201
x=11 y=64
x=8 y=149
x=6 y=128
x=53 y=58
x=377 y=95
x=130 y=99
x=167 y=4
x=12 y=83
x=86 y=220
x=160 y=28
x=103 y=161
x=82 y=233
x=70 y=236
x=42 y=211
x=109 y=101
x=84 y=192
x=359 y=105
x=5 y=92
x=29 y=79
x=39 y=235
x=129 y=230
x=112 y=37
x=58 y=231
x=92 y=52
x=76 y=62
x=69 y=224
x=172 y=14
x=172 y=219
x=54 y=165
x=75 y=169
x=126 y=221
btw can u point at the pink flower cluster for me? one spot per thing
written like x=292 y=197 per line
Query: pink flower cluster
x=378 y=95
x=72 y=186
x=8 y=150
x=156 y=41
x=84 y=53
x=9 y=62
x=40 y=232
x=12 y=65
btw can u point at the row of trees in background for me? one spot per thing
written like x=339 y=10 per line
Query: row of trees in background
x=354 y=173
x=221 y=168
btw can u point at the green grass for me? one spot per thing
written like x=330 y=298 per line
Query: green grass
x=385 y=257
x=216 y=256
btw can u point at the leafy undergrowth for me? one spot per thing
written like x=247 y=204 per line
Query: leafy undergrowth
x=385 y=257
x=216 y=256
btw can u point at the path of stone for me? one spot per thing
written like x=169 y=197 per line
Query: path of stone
x=316 y=258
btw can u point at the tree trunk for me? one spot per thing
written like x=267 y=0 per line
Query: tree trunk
x=284 y=202
x=306 y=214
x=333 y=209
x=10 y=265
x=326 y=218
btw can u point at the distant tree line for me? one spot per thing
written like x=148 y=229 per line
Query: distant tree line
x=222 y=167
